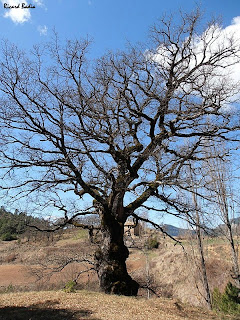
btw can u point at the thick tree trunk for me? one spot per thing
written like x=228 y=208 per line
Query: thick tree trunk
x=111 y=260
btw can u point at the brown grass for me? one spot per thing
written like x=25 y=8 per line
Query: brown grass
x=94 y=306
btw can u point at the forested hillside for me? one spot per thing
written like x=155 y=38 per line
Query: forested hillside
x=12 y=225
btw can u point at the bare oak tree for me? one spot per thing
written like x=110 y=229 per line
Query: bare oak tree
x=115 y=129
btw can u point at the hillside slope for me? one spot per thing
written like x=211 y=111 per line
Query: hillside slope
x=171 y=271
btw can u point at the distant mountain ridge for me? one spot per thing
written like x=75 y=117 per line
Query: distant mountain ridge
x=175 y=231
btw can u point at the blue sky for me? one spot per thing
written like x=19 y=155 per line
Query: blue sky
x=109 y=22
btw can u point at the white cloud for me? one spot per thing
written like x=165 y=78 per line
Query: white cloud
x=223 y=39
x=43 y=30
x=236 y=20
x=17 y=15
x=218 y=39
x=39 y=3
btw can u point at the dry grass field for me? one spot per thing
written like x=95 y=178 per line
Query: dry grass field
x=58 y=305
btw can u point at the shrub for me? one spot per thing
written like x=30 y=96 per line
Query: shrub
x=8 y=236
x=9 y=288
x=70 y=286
x=228 y=301
x=152 y=243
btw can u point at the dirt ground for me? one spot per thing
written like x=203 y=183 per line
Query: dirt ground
x=14 y=275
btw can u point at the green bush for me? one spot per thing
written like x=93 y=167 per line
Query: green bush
x=70 y=286
x=9 y=288
x=152 y=243
x=228 y=301
x=8 y=236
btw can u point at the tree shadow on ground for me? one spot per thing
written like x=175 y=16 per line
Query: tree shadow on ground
x=44 y=311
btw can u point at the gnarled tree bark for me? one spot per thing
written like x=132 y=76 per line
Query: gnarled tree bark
x=111 y=259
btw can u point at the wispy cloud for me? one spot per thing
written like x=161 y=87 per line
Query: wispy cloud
x=42 y=30
x=17 y=15
x=39 y=3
